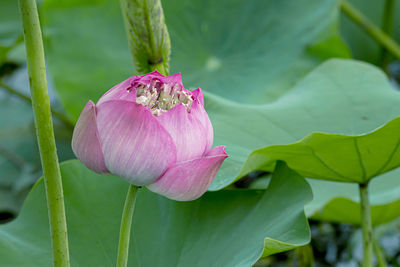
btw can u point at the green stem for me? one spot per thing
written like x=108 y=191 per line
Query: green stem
x=160 y=67
x=379 y=253
x=27 y=99
x=305 y=256
x=387 y=18
x=377 y=34
x=45 y=132
x=126 y=223
x=387 y=27
x=366 y=225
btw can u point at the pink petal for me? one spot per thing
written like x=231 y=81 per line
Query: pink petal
x=147 y=78
x=154 y=73
x=85 y=140
x=122 y=91
x=200 y=113
x=198 y=94
x=216 y=151
x=188 y=133
x=135 y=145
x=175 y=78
x=190 y=179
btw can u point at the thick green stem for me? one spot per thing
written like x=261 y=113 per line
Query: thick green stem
x=44 y=131
x=126 y=223
x=366 y=225
x=27 y=99
x=377 y=34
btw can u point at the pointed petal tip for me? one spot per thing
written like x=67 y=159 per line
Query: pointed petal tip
x=155 y=73
x=200 y=113
x=198 y=95
x=186 y=181
x=122 y=91
x=217 y=151
x=174 y=78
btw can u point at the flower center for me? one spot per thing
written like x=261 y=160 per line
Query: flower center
x=161 y=97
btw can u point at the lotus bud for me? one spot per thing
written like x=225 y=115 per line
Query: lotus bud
x=152 y=132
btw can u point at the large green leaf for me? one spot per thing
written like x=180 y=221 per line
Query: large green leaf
x=343 y=97
x=250 y=51
x=343 y=158
x=242 y=50
x=339 y=97
x=225 y=228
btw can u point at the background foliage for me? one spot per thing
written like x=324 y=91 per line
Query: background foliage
x=269 y=79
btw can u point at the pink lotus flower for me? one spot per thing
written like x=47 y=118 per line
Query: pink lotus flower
x=151 y=131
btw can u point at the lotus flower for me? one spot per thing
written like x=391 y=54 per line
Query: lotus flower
x=152 y=132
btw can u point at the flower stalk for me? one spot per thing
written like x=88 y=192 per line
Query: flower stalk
x=45 y=132
x=380 y=256
x=366 y=225
x=125 y=230
x=305 y=256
